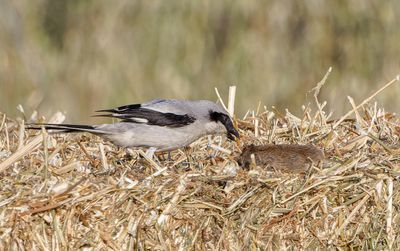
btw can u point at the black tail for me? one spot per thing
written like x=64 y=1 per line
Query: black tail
x=66 y=128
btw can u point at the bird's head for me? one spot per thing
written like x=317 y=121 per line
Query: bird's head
x=223 y=122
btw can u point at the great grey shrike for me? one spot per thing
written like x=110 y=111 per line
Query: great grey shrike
x=160 y=124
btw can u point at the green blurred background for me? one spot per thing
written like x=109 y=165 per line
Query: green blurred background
x=79 y=56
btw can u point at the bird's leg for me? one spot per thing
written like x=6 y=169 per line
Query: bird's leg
x=189 y=158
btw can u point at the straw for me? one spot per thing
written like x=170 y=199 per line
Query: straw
x=209 y=202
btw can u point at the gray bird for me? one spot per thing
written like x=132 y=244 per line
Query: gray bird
x=160 y=124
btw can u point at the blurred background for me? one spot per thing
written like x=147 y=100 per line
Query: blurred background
x=79 y=56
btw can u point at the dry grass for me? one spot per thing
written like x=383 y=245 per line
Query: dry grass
x=68 y=191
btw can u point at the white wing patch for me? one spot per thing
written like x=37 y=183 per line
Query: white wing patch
x=139 y=120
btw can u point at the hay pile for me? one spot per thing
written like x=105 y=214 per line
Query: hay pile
x=76 y=191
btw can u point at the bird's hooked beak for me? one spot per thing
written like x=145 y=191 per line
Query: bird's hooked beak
x=233 y=134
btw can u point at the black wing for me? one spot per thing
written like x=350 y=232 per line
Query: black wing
x=137 y=114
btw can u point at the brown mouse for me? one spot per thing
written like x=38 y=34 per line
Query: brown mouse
x=289 y=158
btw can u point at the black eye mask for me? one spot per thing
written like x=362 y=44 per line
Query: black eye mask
x=227 y=122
